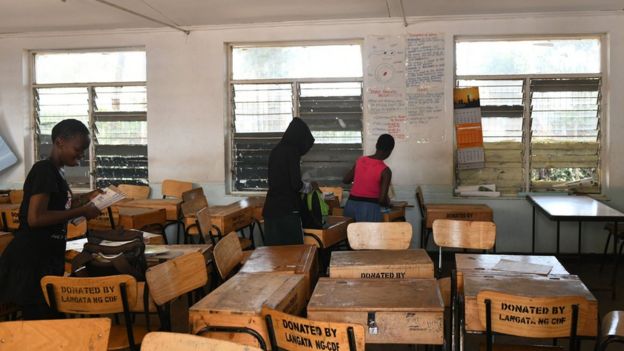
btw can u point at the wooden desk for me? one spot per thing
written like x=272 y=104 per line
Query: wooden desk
x=238 y=303
x=469 y=212
x=483 y=264
x=334 y=232
x=232 y=217
x=294 y=259
x=257 y=203
x=396 y=213
x=563 y=208
x=381 y=264
x=407 y=311
x=174 y=251
x=137 y=218
x=171 y=206
x=10 y=216
x=530 y=286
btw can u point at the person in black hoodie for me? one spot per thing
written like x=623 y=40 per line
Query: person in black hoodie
x=282 y=222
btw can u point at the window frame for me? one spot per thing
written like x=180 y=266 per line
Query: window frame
x=295 y=83
x=90 y=86
x=526 y=100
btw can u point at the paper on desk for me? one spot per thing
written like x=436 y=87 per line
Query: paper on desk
x=522 y=267
x=107 y=198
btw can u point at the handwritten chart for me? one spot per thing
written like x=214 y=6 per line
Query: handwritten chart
x=404 y=87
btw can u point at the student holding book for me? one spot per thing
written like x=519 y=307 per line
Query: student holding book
x=371 y=180
x=39 y=245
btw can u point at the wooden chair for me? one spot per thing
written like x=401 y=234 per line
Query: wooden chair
x=174 y=188
x=229 y=256
x=64 y=334
x=612 y=330
x=95 y=296
x=380 y=236
x=174 y=278
x=193 y=201
x=456 y=234
x=135 y=192
x=205 y=226
x=283 y=333
x=16 y=196
x=161 y=341
x=459 y=235
x=196 y=194
x=76 y=231
x=566 y=311
x=424 y=232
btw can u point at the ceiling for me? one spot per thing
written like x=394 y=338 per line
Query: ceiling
x=18 y=16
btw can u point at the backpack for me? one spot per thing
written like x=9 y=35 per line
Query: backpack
x=111 y=252
x=313 y=210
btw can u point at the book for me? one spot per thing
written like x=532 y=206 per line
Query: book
x=109 y=196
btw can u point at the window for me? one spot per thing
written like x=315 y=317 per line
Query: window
x=541 y=108
x=106 y=91
x=270 y=85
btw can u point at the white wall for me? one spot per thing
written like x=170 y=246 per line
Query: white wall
x=187 y=105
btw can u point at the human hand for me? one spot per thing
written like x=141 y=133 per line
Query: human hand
x=90 y=211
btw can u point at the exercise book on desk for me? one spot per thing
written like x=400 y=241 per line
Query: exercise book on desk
x=522 y=267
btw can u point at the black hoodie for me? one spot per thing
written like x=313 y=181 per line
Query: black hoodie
x=284 y=170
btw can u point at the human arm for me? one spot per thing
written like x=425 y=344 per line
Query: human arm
x=386 y=177
x=82 y=199
x=40 y=216
x=348 y=178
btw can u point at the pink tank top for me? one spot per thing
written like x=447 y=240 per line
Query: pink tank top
x=367 y=179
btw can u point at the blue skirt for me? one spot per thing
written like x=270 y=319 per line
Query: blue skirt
x=363 y=211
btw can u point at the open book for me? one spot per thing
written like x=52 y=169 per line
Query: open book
x=107 y=198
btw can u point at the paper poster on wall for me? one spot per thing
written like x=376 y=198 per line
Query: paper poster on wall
x=404 y=93
x=7 y=157
x=385 y=87
x=385 y=62
x=468 y=128
x=425 y=87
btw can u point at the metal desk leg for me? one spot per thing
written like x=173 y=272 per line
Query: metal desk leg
x=533 y=234
x=579 y=241
x=615 y=262
x=558 y=233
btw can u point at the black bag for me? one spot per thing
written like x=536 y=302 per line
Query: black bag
x=112 y=252
x=311 y=210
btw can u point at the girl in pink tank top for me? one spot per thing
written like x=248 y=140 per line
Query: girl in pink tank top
x=371 y=180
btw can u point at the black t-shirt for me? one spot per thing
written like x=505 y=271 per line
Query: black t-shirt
x=35 y=252
x=45 y=178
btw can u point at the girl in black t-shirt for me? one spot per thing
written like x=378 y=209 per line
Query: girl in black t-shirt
x=39 y=245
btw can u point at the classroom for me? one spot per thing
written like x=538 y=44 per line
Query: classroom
x=498 y=199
